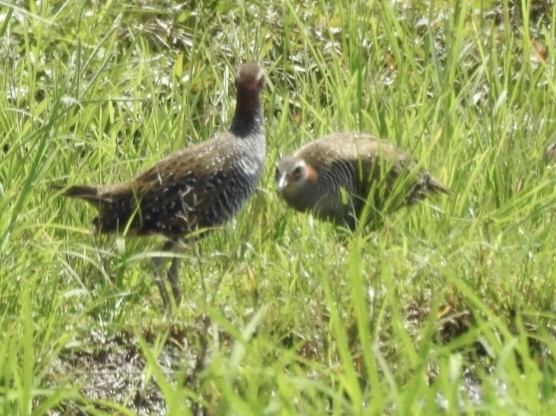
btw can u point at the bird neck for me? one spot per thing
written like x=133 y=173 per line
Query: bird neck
x=248 y=118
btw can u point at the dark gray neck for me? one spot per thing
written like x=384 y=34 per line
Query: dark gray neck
x=247 y=126
x=248 y=117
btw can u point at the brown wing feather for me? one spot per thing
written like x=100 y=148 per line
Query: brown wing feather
x=199 y=159
x=356 y=147
x=175 y=189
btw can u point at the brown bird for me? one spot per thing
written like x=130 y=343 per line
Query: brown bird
x=344 y=175
x=190 y=192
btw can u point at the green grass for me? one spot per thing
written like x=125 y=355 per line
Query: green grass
x=448 y=309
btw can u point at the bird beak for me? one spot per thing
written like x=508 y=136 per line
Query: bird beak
x=282 y=183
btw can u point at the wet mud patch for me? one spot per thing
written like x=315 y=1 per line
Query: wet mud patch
x=110 y=372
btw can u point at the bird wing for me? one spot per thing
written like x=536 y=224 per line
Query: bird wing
x=390 y=170
x=358 y=148
x=178 y=193
x=376 y=164
x=167 y=197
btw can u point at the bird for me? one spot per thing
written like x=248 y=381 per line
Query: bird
x=550 y=154
x=342 y=176
x=191 y=192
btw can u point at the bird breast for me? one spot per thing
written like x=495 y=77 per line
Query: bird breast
x=255 y=150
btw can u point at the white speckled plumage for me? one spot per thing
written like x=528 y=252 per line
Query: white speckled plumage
x=193 y=190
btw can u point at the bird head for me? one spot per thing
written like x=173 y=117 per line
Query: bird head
x=250 y=77
x=292 y=175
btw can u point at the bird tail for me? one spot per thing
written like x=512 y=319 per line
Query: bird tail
x=425 y=187
x=434 y=187
x=90 y=194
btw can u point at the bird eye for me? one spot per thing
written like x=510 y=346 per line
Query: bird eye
x=297 y=171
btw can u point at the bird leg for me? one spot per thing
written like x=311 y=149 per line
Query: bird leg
x=173 y=278
x=157 y=263
x=169 y=246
